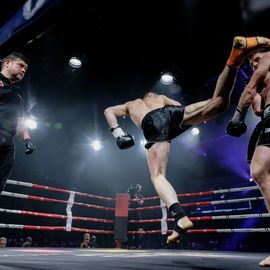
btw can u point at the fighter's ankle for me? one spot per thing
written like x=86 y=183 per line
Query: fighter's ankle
x=177 y=211
x=184 y=223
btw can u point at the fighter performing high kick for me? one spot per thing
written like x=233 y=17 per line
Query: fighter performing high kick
x=162 y=119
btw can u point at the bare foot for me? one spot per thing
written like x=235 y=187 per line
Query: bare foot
x=265 y=262
x=186 y=224
x=243 y=46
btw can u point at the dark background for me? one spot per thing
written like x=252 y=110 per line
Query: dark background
x=125 y=47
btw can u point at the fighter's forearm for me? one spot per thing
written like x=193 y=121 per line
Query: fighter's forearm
x=25 y=133
x=111 y=114
x=22 y=129
x=111 y=117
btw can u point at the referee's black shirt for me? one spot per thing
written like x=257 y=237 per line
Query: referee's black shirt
x=11 y=107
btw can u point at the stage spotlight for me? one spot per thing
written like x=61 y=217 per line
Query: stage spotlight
x=195 y=131
x=167 y=78
x=30 y=123
x=75 y=62
x=96 y=145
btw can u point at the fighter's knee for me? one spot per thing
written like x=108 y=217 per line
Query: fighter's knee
x=155 y=177
x=259 y=175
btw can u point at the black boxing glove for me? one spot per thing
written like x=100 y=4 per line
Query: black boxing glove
x=30 y=147
x=237 y=126
x=123 y=140
x=236 y=129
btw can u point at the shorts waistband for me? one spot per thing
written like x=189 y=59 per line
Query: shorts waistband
x=149 y=114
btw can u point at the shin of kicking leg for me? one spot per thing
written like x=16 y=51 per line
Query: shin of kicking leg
x=225 y=84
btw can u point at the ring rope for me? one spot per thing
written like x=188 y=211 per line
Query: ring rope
x=27 y=184
x=70 y=217
x=263 y=215
x=36 y=198
x=22 y=212
x=200 y=203
x=207 y=231
x=63 y=228
x=242 y=216
x=228 y=190
x=52 y=228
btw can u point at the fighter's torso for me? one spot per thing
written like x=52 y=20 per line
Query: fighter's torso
x=138 y=108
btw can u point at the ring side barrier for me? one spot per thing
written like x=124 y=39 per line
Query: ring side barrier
x=98 y=220
x=263 y=215
x=52 y=228
x=261 y=230
x=22 y=212
x=207 y=203
x=203 y=218
x=200 y=203
x=44 y=199
x=243 y=216
x=27 y=184
x=69 y=217
x=203 y=193
x=63 y=228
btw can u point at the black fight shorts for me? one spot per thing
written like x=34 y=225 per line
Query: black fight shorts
x=260 y=135
x=163 y=124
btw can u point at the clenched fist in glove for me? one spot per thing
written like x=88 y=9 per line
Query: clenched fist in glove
x=123 y=140
x=237 y=126
x=30 y=147
x=236 y=129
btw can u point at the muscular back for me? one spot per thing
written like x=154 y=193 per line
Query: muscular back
x=138 y=108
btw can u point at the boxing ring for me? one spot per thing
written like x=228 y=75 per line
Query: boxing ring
x=117 y=257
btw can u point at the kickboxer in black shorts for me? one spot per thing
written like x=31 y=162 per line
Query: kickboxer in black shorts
x=162 y=119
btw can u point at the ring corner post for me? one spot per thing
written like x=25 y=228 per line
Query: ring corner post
x=121 y=218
